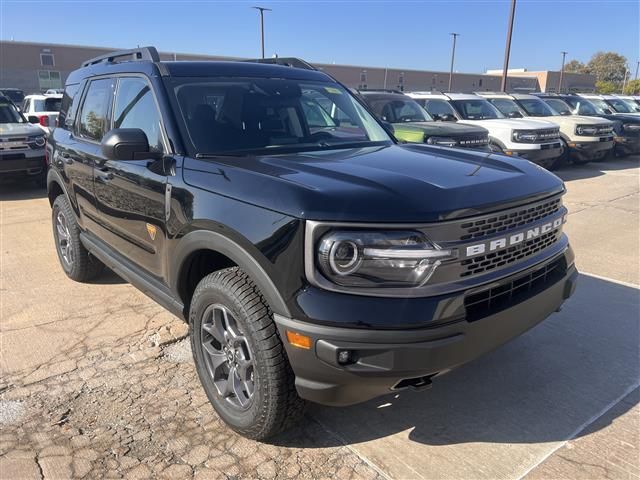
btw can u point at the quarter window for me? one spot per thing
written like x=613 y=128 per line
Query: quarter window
x=136 y=108
x=93 y=118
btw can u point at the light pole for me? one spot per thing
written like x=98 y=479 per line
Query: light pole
x=564 y=54
x=262 y=10
x=624 y=82
x=637 y=68
x=453 y=56
x=507 y=50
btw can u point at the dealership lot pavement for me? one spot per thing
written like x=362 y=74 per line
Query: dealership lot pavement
x=97 y=380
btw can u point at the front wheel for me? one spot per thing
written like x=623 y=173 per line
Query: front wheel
x=76 y=261
x=240 y=358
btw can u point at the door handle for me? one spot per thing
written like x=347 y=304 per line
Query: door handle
x=104 y=175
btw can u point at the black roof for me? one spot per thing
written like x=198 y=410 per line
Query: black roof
x=146 y=60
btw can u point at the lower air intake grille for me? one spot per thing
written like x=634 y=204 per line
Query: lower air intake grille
x=514 y=290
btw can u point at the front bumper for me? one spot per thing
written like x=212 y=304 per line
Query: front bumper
x=381 y=361
x=20 y=164
x=593 y=150
x=548 y=151
x=627 y=145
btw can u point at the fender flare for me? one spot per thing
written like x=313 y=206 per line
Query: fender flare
x=54 y=177
x=209 y=240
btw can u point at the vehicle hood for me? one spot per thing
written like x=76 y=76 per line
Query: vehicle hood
x=398 y=183
x=442 y=128
x=14 y=129
x=585 y=120
x=622 y=117
x=512 y=123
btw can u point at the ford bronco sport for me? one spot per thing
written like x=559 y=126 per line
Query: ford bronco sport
x=583 y=138
x=411 y=123
x=535 y=140
x=313 y=261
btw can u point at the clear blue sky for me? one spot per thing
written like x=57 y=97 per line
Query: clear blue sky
x=403 y=34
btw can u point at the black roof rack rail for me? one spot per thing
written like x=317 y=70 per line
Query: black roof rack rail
x=136 y=54
x=285 y=61
x=490 y=92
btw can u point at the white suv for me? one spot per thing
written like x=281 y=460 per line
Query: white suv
x=535 y=140
x=585 y=138
x=45 y=107
x=611 y=104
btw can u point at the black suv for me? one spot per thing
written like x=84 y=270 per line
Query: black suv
x=411 y=123
x=626 y=126
x=312 y=259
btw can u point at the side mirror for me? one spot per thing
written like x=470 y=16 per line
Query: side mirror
x=33 y=119
x=564 y=113
x=125 y=144
x=607 y=111
x=514 y=115
x=447 y=117
x=388 y=127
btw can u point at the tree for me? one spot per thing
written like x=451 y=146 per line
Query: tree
x=632 y=88
x=607 y=67
x=606 y=87
x=574 y=66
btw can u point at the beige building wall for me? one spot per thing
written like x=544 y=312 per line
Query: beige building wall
x=34 y=67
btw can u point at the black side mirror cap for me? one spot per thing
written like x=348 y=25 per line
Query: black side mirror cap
x=514 y=115
x=447 y=117
x=125 y=144
x=33 y=119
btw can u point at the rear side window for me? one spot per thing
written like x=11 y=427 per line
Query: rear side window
x=69 y=106
x=93 y=117
x=136 y=108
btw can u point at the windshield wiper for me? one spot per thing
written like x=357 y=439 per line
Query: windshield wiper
x=221 y=154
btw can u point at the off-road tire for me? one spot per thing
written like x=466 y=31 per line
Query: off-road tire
x=275 y=404
x=84 y=266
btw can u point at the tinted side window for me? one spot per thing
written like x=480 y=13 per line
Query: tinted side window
x=93 y=117
x=69 y=106
x=136 y=108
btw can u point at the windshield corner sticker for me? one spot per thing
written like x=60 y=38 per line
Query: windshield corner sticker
x=151 y=229
x=333 y=90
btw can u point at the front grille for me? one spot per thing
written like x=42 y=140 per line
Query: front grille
x=604 y=130
x=507 y=221
x=13 y=143
x=484 y=263
x=546 y=135
x=513 y=290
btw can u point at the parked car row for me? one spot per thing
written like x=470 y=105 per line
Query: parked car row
x=547 y=129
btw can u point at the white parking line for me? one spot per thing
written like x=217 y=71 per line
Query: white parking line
x=612 y=280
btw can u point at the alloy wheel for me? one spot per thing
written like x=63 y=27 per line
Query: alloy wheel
x=64 y=238
x=228 y=357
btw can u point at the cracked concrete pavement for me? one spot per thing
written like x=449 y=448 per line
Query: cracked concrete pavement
x=98 y=382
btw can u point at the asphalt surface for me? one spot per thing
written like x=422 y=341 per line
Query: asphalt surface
x=98 y=382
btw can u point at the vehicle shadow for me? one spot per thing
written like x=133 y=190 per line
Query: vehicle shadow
x=597 y=169
x=544 y=386
x=20 y=190
x=107 y=277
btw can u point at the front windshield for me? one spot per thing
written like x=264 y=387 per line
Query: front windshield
x=618 y=105
x=631 y=105
x=399 y=110
x=506 y=106
x=242 y=115
x=601 y=105
x=558 y=105
x=536 y=108
x=582 y=106
x=478 y=109
x=9 y=114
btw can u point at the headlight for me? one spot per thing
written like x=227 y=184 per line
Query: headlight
x=586 y=130
x=631 y=127
x=37 y=141
x=524 y=136
x=357 y=258
x=442 y=141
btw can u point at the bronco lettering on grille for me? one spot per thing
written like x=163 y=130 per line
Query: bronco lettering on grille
x=515 y=239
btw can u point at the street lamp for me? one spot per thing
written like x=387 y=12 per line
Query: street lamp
x=262 y=10
x=453 y=56
x=507 y=50
x=624 y=82
x=637 y=68
x=564 y=54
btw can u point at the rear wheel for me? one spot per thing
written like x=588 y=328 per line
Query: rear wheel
x=75 y=259
x=240 y=358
